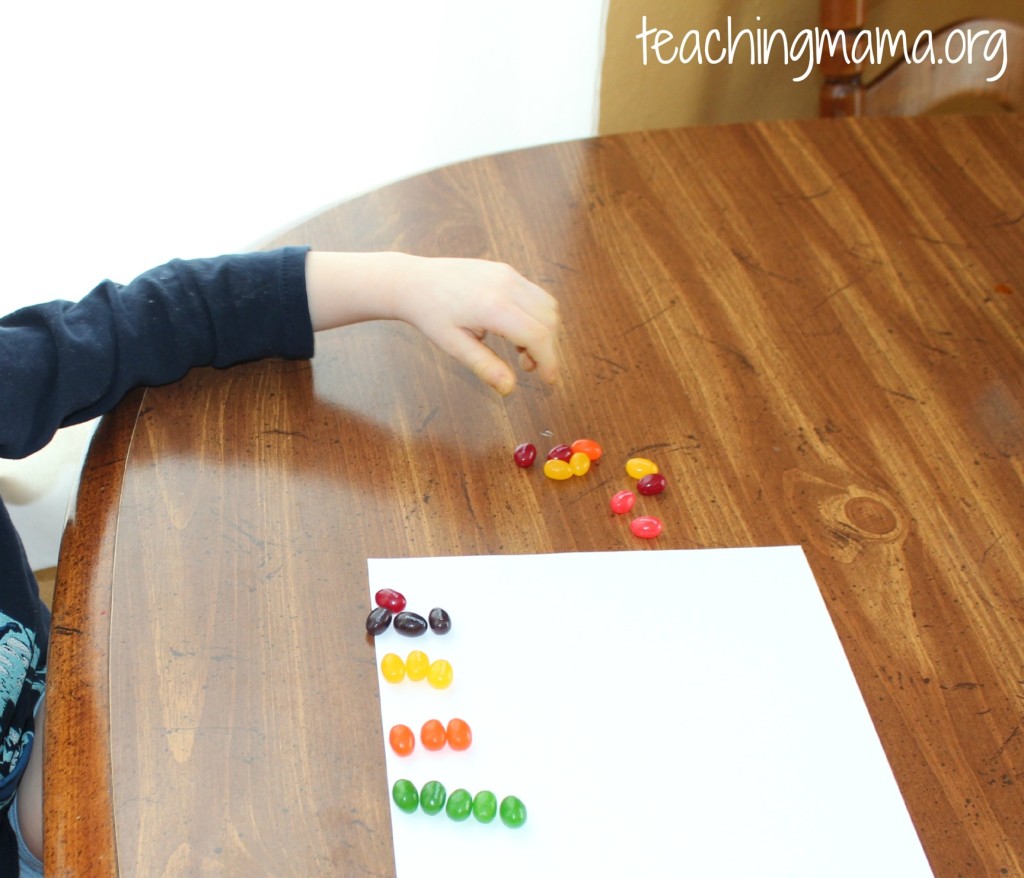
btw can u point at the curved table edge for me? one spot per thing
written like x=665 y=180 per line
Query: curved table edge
x=78 y=797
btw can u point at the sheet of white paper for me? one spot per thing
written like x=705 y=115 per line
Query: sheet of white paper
x=659 y=713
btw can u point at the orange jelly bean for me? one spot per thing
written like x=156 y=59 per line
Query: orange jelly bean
x=460 y=735
x=403 y=741
x=433 y=734
x=589 y=447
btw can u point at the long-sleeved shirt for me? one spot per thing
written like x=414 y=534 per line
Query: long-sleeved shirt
x=63 y=363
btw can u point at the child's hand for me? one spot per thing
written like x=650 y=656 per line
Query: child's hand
x=453 y=302
x=457 y=302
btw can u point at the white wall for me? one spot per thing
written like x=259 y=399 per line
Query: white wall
x=134 y=132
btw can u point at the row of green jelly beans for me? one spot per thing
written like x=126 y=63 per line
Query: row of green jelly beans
x=459 y=805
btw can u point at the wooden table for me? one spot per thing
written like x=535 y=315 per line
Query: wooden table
x=815 y=327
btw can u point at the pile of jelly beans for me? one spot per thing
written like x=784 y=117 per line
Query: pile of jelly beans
x=433 y=735
x=433 y=798
x=417 y=666
x=391 y=604
x=565 y=461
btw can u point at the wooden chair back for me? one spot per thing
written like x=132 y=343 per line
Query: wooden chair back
x=909 y=88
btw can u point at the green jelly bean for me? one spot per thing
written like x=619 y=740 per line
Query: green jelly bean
x=513 y=812
x=485 y=806
x=460 y=805
x=405 y=795
x=432 y=797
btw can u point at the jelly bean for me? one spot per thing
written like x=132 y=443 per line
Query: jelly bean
x=393 y=600
x=579 y=463
x=525 y=455
x=416 y=665
x=622 y=502
x=432 y=797
x=440 y=674
x=440 y=621
x=405 y=796
x=433 y=734
x=589 y=447
x=402 y=740
x=393 y=668
x=459 y=734
x=647 y=527
x=513 y=812
x=652 y=483
x=560 y=452
x=378 y=620
x=638 y=467
x=485 y=806
x=460 y=805
x=558 y=470
x=410 y=624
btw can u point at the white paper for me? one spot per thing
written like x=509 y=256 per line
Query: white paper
x=659 y=713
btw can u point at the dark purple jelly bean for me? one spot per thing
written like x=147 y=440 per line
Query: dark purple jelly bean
x=378 y=620
x=651 y=484
x=560 y=452
x=410 y=624
x=440 y=621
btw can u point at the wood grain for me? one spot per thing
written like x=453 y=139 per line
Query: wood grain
x=814 y=327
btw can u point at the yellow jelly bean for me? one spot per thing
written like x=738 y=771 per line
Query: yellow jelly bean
x=579 y=463
x=393 y=668
x=416 y=665
x=440 y=674
x=638 y=467
x=557 y=469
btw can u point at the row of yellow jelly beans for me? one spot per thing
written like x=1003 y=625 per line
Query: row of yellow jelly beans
x=417 y=667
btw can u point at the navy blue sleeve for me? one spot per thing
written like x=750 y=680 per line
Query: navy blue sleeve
x=63 y=363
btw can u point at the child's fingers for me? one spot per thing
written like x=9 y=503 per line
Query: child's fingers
x=537 y=339
x=526 y=362
x=466 y=347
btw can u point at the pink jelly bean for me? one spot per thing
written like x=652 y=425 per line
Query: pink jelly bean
x=646 y=527
x=623 y=502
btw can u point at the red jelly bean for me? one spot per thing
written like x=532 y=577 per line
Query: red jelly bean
x=560 y=452
x=622 y=502
x=646 y=527
x=390 y=599
x=653 y=483
x=525 y=455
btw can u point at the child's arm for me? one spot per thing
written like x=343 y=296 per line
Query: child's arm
x=453 y=302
